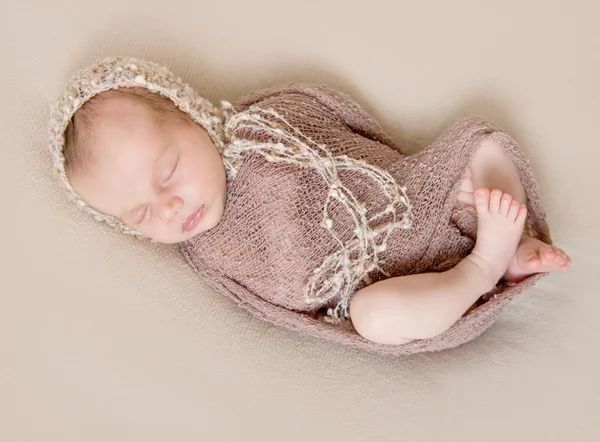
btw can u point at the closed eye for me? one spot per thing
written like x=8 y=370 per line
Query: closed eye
x=142 y=215
x=171 y=173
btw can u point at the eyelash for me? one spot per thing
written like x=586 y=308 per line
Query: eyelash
x=166 y=182
x=146 y=210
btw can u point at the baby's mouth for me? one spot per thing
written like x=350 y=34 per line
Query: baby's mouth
x=192 y=221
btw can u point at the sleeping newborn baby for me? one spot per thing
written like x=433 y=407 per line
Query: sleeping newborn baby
x=296 y=205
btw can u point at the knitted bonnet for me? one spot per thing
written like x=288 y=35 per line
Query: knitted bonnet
x=114 y=73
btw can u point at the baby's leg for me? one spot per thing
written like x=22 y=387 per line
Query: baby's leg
x=491 y=168
x=398 y=310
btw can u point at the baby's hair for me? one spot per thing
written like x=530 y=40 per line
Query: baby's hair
x=79 y=134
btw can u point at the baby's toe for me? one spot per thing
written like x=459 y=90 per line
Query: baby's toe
x=565 y=260
x=561 y=258
x=495 y=197
x=563 y=254
x=505 y=204
x=482 y=199
x=522 y=215
x=513 y=211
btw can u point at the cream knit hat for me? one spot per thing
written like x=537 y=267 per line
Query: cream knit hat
x=114 y=73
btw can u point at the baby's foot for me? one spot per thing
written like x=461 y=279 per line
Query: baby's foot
x=500 y=222
x=534 y=256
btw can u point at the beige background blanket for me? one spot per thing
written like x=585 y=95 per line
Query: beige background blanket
x=97 y=341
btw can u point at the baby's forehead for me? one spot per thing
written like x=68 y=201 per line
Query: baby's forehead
x=119 y=120
x=114 y=100
x=122 y=131
x=125 y=131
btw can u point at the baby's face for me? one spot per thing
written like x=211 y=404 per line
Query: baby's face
x=162 y=177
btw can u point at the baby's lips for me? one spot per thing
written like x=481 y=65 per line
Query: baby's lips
x=192 y=221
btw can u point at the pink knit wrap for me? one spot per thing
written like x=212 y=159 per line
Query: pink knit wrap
x=269 y=241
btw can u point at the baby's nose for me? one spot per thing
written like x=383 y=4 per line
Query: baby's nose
x=170 y=209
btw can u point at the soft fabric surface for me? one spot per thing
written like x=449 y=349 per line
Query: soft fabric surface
x=98 y=343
